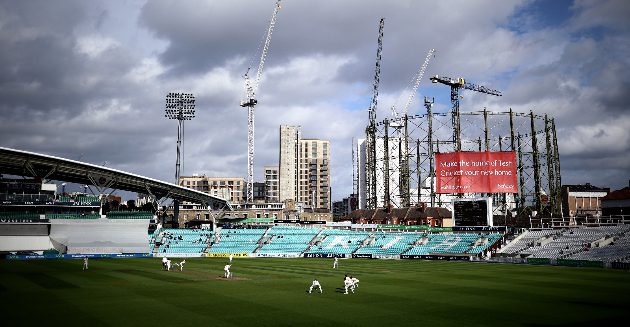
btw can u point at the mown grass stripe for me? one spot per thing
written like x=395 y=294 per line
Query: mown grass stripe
x=273 y=292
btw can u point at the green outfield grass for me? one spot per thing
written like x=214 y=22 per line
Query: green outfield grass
x=273 y=292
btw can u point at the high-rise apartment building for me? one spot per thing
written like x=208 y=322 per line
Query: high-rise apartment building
x=304 y=171
x=288 y=161
x=314 y=173
x=271 y=184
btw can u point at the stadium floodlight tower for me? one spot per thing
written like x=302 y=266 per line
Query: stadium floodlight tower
x=179 y=106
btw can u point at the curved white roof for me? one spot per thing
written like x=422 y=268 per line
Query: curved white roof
x=24 y=163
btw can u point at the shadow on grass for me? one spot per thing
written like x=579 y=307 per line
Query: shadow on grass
x=159 y=277
x=48 y=282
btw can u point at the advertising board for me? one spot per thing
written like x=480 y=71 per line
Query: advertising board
x=227 y=254
x=324 y=255
x=476 y=172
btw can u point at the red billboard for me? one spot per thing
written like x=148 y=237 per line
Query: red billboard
x=476 y=172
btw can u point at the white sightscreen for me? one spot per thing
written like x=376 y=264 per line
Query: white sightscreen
x=101 y=235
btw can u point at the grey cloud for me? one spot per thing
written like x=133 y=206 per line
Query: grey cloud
x=57 y=100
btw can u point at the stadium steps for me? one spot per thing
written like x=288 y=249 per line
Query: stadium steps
x=313 y=241
x=522 y=251
x=363 y=243
x=260 y=245
x=514 y=241
x=308 y=248
x=317 y=238
x=418 y=241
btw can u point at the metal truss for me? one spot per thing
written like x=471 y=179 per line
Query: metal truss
x=402 y=151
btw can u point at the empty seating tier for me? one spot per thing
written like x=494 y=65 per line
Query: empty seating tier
x=181 y=241
x=129 y=215
x=72 y=216
x=383 y=243
x=338 y=241
x=237 y=240
x=460 y=243
x=287 y=240
x=606 y=243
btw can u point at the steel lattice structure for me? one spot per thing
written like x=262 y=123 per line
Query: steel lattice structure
x=250 y=101
x=406 y=148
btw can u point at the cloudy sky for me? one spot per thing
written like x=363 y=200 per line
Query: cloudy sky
x=87 y=80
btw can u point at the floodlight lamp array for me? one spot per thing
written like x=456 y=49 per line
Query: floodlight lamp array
x=180 y=106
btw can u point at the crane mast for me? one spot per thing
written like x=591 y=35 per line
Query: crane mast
x=456 y=84
x=414 y=89
x=377 y=73
x=415 y=86
x=371 y=129
x=250 y=102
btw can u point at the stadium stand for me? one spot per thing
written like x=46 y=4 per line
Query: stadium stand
x=604 y=243
x=180 y=241
x=18 y=217
x=21 y=198
x=382 y=243
x=79 y=199
x=287 y=240
x=526 y=240
x=460 y=243
x=483 y=243
x=295 y=241
x=593 y=244
x=338 y=241
x=129 y=215
x=237 y=240
x=73 y=215
x=152 y=236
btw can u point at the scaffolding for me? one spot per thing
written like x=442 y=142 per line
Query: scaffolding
x=399 y=166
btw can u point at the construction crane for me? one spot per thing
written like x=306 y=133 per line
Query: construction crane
x=414 y=89
x=371 y=129
x=377 y=73
x=456 y=85
x=250 y=102
x=401 y=142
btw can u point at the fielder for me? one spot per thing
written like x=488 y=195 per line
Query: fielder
x=164 y=262
x=180 y=265
x=315 y=284
x=231 y=257
x=227 y=273
x=335 y=263
x=347 y=283
x=168 y=264
x=85 y=263
x=355 y=282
